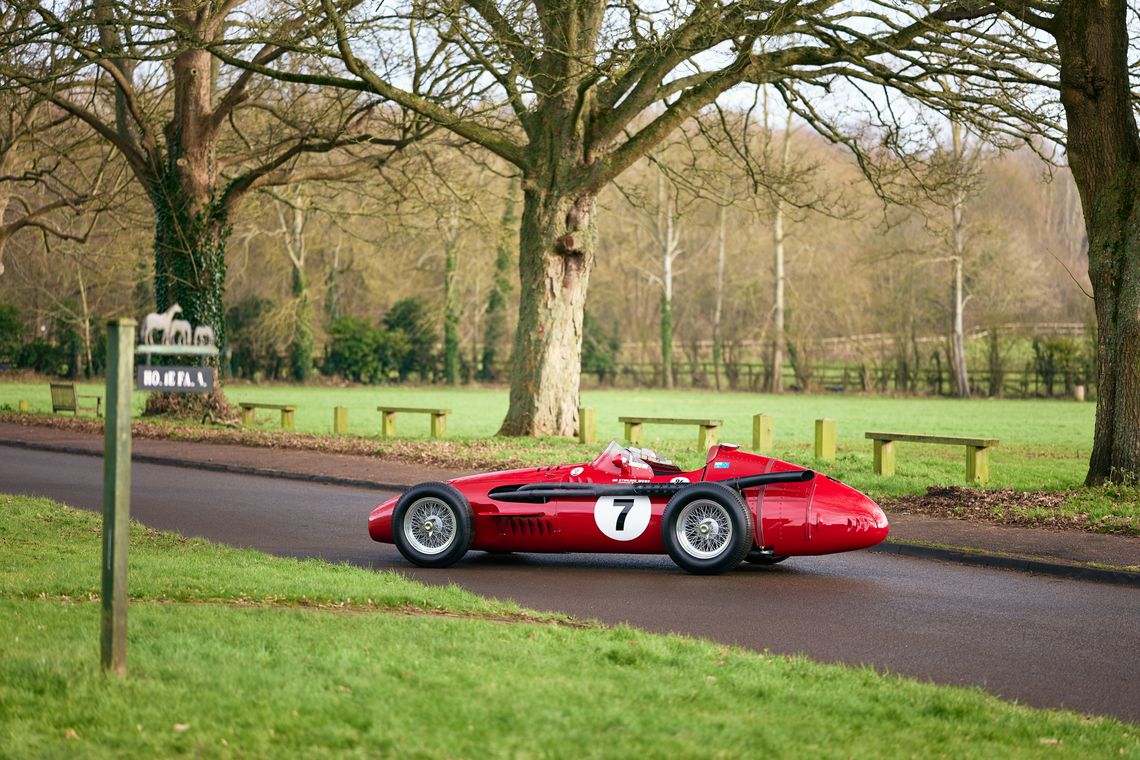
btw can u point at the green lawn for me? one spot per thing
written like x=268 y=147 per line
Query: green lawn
x=1054 y=425
x=235 y=654
x=1045 y=445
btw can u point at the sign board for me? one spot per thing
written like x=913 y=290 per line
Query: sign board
x=175 y=379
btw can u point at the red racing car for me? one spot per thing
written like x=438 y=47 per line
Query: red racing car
x=738 y=507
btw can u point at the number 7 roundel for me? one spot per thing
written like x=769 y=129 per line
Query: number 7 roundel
x=622 y=518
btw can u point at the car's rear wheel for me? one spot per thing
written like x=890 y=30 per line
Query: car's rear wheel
x=756 y=557
x=706 y=528
x=432 y=525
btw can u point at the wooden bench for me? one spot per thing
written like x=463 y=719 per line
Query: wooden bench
x=64 y=398
x=248 y=407
x=977 y=452
x=388 y=419
x=705 y=437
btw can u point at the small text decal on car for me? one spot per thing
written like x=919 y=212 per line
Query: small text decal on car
x=720 y=465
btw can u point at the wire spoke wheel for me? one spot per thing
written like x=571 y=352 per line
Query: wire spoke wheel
x=704 y=529
x=429 y=525
x=707 y=528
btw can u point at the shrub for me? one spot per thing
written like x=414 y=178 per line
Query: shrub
x=41 y=356
x=411 y=319
x=357 y=351
x=599 y=348
x=10 y=330
x=1061 y=358
x=252 y=352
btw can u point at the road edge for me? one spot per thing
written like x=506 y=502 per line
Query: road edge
x=982 y=558
x=964 y=556
x=235 y=469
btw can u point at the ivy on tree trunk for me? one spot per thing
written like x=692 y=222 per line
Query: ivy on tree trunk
x=189 y=257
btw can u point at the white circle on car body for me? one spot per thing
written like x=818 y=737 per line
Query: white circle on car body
x=680 y=479
x=622 y=518
x=576 y=472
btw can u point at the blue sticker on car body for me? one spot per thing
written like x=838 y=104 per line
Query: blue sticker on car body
x=720 y=465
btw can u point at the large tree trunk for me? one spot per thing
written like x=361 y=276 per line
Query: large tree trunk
x=189 y=260
x=557 y=243
x=191 y=224
x=1114 y=269
x=1104 y=153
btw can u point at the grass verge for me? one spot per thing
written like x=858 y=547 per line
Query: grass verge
x=1109 y=509
x=229 y=657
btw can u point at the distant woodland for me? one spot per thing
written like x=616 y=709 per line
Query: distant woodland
x=685 y=273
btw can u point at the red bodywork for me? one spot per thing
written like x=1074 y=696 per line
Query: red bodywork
x=820 y=516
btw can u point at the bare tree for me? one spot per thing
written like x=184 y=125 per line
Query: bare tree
x=197 y=135
x=667 y=236
x=495 y=327
x=573 y=93
x=777 y=206
x=49 y=171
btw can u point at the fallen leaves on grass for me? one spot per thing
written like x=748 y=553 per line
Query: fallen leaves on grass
x=1005 y=506
x=468 y=454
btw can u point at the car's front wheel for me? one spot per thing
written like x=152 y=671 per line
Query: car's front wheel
x=432 y=525
x=706 y=528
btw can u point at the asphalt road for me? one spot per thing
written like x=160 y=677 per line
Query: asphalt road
x=1043 y=641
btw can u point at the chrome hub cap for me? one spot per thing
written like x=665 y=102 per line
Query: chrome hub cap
x=704 y=529
x=429 y=526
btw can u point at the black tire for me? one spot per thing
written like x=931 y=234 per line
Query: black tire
x=760 y=558
x=444 y=529
x=707 y=529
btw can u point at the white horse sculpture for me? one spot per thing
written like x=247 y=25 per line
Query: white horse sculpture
x=204 y=336
x=159 y=323
x=179 y=333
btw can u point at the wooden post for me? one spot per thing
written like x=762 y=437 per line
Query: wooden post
x=884 y=457
x=761 y=433
x=825 y=439
x=286 y=419
x=587 y=425
x=247 y=416
x=977 y=464
x=24 y=406
x=387 y=424
x=438 y=425
x=340 y=420
x=117 y=493
x=706 y=437
x=633 y=433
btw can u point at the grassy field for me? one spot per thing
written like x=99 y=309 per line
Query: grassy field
x=1056 y=425
x=1044 y=444
x=237 y=654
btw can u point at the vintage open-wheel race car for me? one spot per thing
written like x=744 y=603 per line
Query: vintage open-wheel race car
x=738 y=507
